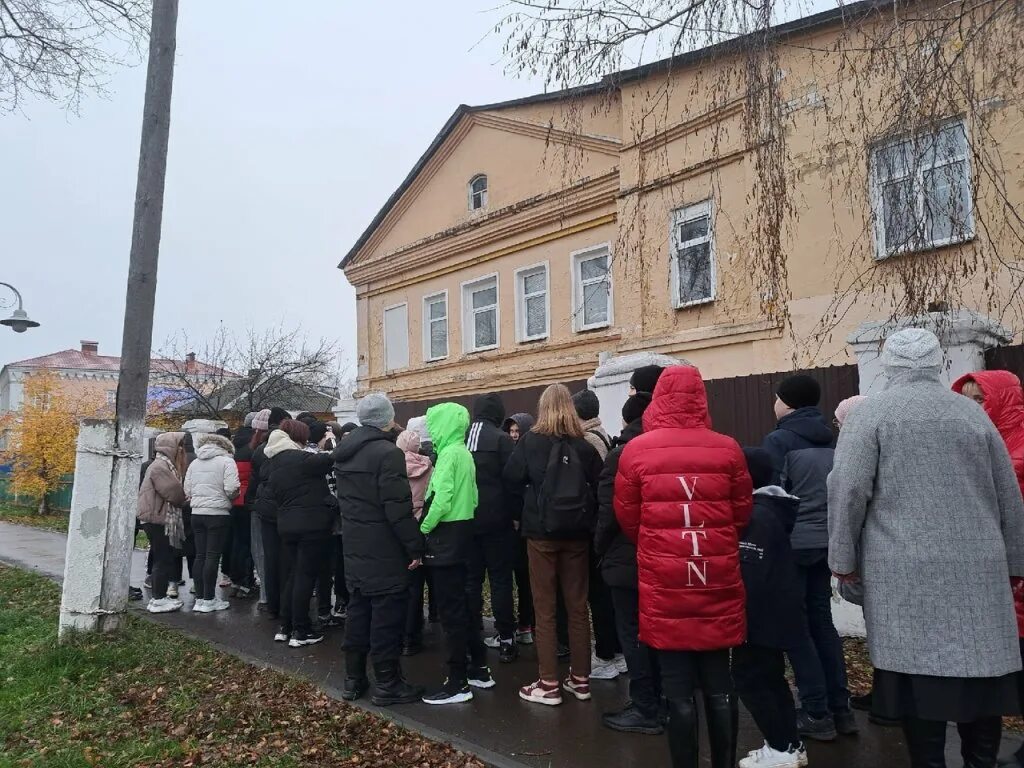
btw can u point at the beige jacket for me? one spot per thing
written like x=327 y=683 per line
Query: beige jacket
x=162 y=484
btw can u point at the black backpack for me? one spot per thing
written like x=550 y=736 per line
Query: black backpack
x=564 y=499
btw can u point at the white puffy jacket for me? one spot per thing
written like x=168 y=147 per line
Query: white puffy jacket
x=211 y=482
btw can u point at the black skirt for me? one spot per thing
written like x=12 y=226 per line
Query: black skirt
x=949 y=699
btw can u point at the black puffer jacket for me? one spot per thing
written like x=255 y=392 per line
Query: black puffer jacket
x=525 y=474
x=491 y=449
x=305 y=506
x=616 y=552
x=380 y=535
x=263 y=502
x=775 y=607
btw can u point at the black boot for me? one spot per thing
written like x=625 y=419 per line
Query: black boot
x=979 y=742
x=926 y=742
x=391 y=685
x=723 y=713
x=683 y=744
x=356 y=683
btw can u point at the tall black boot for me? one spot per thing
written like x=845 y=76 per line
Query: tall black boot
x=356 y=683
x=683 y=743
x=926 y=741
x=979 y=742
x=723 y=713
x=391 y=685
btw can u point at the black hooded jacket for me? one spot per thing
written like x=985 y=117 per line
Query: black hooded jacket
x=616 y=552
x=775 y=609
x=491 y=449
x=305 y=506
x=802 y=453
x=262 y=499
x=380 y=535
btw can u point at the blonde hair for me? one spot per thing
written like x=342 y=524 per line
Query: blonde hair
x=556 y=414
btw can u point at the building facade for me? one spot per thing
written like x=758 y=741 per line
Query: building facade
x=535 y=236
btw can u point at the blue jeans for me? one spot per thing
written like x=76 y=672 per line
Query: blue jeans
x=818 y=662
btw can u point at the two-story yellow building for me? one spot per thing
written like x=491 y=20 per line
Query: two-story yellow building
x=628 y=216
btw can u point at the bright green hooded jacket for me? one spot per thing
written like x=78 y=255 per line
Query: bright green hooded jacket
x=452 y=491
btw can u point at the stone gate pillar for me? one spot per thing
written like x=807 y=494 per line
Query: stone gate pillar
x=964 y=335
x=610 y=382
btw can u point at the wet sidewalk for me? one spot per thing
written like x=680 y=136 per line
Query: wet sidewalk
x=496 y=725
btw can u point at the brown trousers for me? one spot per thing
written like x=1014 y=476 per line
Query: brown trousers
x=565 y=563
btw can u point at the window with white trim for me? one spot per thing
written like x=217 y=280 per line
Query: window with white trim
x=532 y=302
x=396 y=337
x=592 y=289
x=693 y=258
x=435 y=326
x=480 y=309
x=478 y=192
x=921 y=191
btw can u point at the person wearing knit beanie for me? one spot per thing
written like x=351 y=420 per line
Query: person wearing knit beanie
x=261 y=421
x=799 y=391
x=644 y=379
x=277 y=415
x=846 y=407
x=248 y=419
x=634 y=407
x=375 y=410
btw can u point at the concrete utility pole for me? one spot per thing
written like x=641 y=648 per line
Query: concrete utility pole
x=100 y=533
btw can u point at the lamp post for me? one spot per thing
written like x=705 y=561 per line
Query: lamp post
x=19 y=321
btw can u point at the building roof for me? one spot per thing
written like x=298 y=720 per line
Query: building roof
x=75 y=359
x=855 y=11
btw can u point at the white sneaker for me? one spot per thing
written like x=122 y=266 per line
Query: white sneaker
x=491 y=641
x=620 y=663
x=766 y=757
x=172 y=590
x=603 y=670
x=163 y=605
x=202 y=606
x=218 y=604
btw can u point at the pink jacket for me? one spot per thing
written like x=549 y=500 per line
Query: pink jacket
x=418 y=468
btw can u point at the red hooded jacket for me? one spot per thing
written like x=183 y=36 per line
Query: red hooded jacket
x=1004 y=404
x=683 y=494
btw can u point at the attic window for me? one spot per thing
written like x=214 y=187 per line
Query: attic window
x=478 y=192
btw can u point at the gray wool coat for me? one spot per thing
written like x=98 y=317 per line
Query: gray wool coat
x=924 y=505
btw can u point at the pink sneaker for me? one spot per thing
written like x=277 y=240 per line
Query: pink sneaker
x=542 y=693
x=578 y=687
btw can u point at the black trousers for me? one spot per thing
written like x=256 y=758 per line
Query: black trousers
x=414 y=609
x=163 y=558
x=271 y=565
x=188 y=549
x=641 y=660
x=684 y=671
x=340 y=588
x=493 y=554
x=979 y=742
x=462 y=637
x=301 y=559
x=602 y=613
x=374 y=624
x=760 y=677
x=240 y=568
x=521 y=572
x=211 y=533
x=325 y=580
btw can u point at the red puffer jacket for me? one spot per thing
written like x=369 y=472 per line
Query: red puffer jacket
x=1004 y=404
x=682 y=494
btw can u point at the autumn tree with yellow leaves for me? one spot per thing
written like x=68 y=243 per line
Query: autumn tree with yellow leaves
x=43 y=434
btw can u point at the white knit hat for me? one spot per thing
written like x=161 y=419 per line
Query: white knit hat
x=912 y=348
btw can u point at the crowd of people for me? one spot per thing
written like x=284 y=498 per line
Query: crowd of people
x=669 y=553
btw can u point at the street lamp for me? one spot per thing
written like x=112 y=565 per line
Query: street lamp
x=19 y=321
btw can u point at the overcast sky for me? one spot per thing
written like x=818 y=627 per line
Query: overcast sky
x=289 y=130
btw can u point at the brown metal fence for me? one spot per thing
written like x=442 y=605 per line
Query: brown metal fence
x=1006 y=359
x=742 y=407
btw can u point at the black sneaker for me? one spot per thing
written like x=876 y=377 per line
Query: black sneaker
x=817 y=728
x=134 y=593
x=451 y=693
x=327 y=621
x=863 y=703
x=507 y=651
x=480 y=677
x=299 y=639
x=632 y=720
x=845 y=722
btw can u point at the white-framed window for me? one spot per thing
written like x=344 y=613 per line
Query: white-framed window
x=692 y=249
x=533 y=308
x=592 y=288
x=480 y=314
x=478 y=192
x=396 y=337
x=111 y=397
x=921 y=191
x=435 y=326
